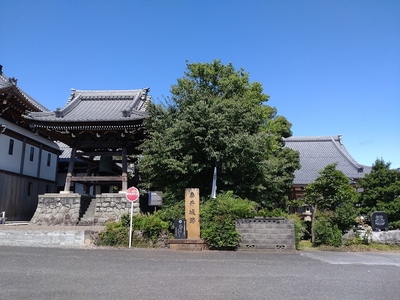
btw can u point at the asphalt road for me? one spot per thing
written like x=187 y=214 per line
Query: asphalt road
x=57 y=273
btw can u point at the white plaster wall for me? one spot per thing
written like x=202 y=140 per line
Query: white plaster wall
x=31 y=167
x=12 y=163
x=27 y=133
x=9 y=162
x=48 y=172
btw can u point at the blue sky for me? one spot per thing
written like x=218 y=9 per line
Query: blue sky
x=330 y=67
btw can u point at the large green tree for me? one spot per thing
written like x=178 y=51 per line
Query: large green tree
x=217 y=117
x=331 y=191
x=381 y=191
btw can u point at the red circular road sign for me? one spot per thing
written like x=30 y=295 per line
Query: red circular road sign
x=132 y=194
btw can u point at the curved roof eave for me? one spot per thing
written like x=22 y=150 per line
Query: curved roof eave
x=11 y=83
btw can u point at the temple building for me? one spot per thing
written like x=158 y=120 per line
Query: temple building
x=315 y=154
x=106 y=124
x=98 y=131
x=28 y=159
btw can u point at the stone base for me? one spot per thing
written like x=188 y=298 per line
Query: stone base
x=380 y=237
x=70 y=209
x=112 y=206
x=187 y=245
x=59 y=209
x=386 y=237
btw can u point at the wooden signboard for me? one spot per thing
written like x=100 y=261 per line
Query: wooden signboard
x=192 y=213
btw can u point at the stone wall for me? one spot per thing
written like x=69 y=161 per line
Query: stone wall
x=113 y=207
x=266 y=234
x=58 y=209
x=71 y=208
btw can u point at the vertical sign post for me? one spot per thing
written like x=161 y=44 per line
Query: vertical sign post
x=132 y=195
x=214 y=184
x=192 y=213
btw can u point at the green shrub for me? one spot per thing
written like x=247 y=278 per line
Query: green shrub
x=170 y=213
x=125 y=220
x=345 y=217
x=327 y=234
x=394 y=225
x=277 y=212
x=218 y=220
x=115 y=234
x=299 y=228
x=150 y=225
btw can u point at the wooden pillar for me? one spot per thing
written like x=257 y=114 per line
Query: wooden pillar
x=70 y=170
x=124 y=170
x=39 y=161
x=22 y=162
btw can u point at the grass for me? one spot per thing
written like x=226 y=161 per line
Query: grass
x=306 y=245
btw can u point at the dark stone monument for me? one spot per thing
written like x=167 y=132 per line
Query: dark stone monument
x=180 y=229
x=379 y=221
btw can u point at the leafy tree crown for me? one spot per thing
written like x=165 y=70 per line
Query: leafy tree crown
x=217 y=117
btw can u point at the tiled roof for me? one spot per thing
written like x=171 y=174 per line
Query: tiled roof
x=318 y=152
x=97 y=106
x=7 y=83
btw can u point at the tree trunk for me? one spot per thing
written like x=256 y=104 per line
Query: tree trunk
x=313 y=222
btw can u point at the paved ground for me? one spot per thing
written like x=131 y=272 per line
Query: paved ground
x=93 y=273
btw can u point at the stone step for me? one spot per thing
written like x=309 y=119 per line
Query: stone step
x=187 y=244
x=91 y=209
x=88 y=216
x=86 y=222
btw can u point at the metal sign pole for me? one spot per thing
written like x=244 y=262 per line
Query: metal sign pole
x=132 y=194
x=130 y=227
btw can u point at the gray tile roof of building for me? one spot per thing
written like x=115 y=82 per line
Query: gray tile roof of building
x=318 y=152
x=6 y=82
x=99 y=105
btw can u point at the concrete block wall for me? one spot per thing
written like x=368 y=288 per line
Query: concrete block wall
x=266 y=234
